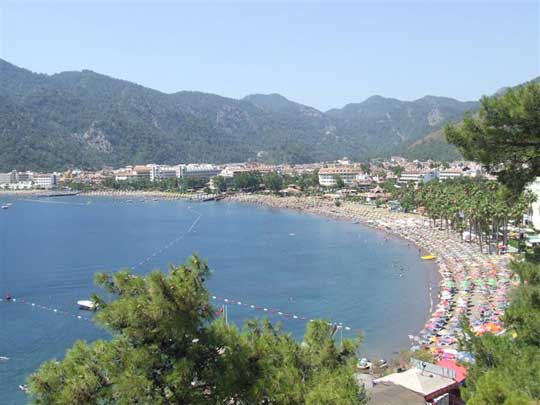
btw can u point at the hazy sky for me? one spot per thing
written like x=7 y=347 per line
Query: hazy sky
x=324 y=54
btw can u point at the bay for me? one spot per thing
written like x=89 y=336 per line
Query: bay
x=295 y=263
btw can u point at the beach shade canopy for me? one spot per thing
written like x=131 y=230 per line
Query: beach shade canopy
x=449 y=284
x=492 y=282
x=491 y=327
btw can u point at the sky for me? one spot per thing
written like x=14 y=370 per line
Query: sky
x=324 y=54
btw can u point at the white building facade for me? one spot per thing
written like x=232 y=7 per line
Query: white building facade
x=201 y=171
x=416 y=177
x=46 y=181
x=328 y=175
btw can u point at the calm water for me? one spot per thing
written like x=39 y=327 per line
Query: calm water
x=297 y=263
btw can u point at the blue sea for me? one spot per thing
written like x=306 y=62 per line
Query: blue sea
x=295 y=263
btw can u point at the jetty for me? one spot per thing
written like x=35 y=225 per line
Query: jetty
x=58 y=194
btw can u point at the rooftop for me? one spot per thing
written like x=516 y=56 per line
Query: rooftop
x=390 y=394
x=419 y=381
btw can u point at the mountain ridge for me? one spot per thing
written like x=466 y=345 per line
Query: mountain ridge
x=87 y=119
x=434 y=144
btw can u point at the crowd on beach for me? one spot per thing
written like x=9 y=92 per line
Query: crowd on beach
x=471 y=283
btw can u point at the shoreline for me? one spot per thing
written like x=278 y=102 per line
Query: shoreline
x=161 y=195
x=469 y=283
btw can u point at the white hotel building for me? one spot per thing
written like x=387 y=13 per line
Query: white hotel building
x=417 y=177
x=46 y=181
x=202 y=171
x=328 y=175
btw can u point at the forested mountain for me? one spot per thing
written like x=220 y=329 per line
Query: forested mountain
x=386 y=124
x=432 y=146
x=84 y=119
x=435 y=146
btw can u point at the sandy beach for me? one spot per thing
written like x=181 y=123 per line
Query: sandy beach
x=471 y=283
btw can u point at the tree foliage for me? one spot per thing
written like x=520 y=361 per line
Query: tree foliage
x=247 y=181
x=339 y=181
x=220 y=183
x=273 y=181
x=168 y=347
x=483 y=208
x=505 y=136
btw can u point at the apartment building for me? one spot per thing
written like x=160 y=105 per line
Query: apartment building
x=348 y=173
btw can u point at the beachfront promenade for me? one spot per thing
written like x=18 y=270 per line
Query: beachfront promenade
x=471 y=283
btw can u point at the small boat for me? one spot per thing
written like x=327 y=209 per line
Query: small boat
x=5 y=207
x=429 y=257
x=3 y=359
x=382 y=363
x=24 y=388
x=355 y=222
x=363 y=364
x=87 y=305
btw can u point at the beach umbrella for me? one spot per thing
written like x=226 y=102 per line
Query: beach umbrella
x=492 y=327
x=449 y=283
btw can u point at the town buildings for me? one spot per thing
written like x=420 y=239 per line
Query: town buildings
x=361 y=177
x=15 y=180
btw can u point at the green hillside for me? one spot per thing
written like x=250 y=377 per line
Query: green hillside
x=87 y=120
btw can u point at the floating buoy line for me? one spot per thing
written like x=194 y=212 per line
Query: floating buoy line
x=230 y=302
x=171 y=243
x=226 y=301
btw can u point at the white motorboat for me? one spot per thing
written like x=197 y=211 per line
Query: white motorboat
x=3 y=359
x=87 y=305
x=364 y=364
x=382 y=363
x=24 y=388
